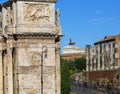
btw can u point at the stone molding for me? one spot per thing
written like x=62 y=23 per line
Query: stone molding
x=52 y=1
x=32 y=35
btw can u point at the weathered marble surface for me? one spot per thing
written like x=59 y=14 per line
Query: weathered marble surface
x=28 y=27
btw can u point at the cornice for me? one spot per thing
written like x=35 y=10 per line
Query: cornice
x=32 y=35
x=51 y=1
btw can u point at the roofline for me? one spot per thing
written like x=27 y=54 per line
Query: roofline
x=9 y=1
x=102 y=41
x=106 y=40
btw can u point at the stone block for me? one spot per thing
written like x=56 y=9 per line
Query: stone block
x=29 y=81
x=29 y=91
x=49 y=69
x=49 y=81
x=49 y=91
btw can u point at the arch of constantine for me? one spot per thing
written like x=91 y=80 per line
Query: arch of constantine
x=30 y=34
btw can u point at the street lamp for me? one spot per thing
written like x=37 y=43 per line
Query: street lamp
x=43 y=56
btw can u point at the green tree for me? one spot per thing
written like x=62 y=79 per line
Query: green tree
x=71 y=65
x=80 y=63
x=68 y=68
x=65 y=77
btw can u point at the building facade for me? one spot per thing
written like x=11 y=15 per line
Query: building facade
x=30 y=32
x=105 y=55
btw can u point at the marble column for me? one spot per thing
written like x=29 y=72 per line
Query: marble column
x=9 y=19
x=15 y=72
x=1 y=73
x=91 y=57
x=14 y=13
x=10 y=71
x=94 y=64
x=103 y=62
x=94 y=60
x=3 y=18
x=111 y=56
x=98 y=63
x=87 y=66
x=5 y=73
x=58 y=72
x=107 y=51
x=14 y=17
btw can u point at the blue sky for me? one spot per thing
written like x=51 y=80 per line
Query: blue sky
x=87 y=21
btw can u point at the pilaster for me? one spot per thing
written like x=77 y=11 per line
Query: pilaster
x=98 y=48
x=1 y=74
x=111 y=56
x=5 y=73
x=94 y=60
x=103 y=62
x=108 y=63
x=58 y=72
x=87 y=66
x=10 y=71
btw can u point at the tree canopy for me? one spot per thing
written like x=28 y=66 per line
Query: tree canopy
x=68 y=68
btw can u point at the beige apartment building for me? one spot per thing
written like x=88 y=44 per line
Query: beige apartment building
x=30 y=35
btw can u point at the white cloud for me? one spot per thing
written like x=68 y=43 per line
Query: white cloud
x=101 y=20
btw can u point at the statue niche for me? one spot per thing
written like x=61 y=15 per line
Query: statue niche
x=57 y=18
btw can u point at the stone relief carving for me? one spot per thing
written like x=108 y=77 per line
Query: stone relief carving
x=37 y=13
x=57 y=17
x=36 y=59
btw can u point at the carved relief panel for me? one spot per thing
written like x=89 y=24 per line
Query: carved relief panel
x=38 y=13
x=35 y=59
